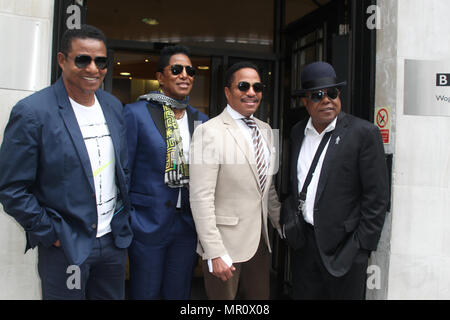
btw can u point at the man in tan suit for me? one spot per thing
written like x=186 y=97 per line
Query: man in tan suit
x=232 y=194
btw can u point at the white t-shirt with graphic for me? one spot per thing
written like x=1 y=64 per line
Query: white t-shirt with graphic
x=100 y=148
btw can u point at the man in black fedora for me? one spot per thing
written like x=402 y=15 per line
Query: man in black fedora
x=344 y=203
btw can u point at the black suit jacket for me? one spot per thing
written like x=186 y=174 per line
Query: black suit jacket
x=352 y=193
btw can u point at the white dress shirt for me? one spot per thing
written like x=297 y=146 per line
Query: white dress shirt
x=183 y=127
x=308 y=150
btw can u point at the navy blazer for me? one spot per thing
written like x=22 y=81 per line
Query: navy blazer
x=46 y=180
x=352 y=193
x=153 y=201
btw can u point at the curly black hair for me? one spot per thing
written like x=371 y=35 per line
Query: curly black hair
x=168 y=52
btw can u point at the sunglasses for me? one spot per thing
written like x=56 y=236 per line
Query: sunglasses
x=176 y=69
x=83 y=60
x=245 y=86
x=317 y=96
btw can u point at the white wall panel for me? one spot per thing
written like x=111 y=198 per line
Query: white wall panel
x=24 y=53
x=419 y=255
x=25 y=37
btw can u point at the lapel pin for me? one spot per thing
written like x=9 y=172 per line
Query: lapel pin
x=338 y=139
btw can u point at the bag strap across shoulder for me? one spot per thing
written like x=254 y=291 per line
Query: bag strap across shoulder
x=312 y=168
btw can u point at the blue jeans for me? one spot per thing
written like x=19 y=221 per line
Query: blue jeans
x=100 y=276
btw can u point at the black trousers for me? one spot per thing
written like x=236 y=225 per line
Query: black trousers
x=311 y=280
x=101 y=276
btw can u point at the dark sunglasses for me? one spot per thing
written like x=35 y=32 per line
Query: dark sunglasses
x=317 y=96
x=176 y=69
x=83 y=60
x=245 y=86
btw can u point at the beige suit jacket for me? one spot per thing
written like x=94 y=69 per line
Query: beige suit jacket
x=227 y=204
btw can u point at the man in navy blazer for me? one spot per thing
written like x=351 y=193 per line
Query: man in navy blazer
x=345 y=204
x=159 y=126
x=64 y=175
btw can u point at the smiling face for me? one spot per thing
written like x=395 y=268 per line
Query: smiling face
x=244 y=102
x=323 y=112
x=176 y=86
x=81 y=83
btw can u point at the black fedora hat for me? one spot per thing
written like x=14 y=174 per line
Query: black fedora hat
x=318 y=75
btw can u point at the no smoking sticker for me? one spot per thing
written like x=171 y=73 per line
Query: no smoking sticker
x=383 y=122
x=382 y=118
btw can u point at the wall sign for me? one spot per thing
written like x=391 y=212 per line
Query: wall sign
x=427 y=88
x=383 y=121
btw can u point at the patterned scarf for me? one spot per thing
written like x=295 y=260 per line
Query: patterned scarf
x=176 y=173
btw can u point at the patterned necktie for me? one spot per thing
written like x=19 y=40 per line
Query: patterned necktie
x=259 y=151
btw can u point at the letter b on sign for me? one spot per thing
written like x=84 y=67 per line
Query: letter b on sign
x=442 y=79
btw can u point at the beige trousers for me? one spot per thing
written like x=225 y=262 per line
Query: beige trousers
x=251 y=280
